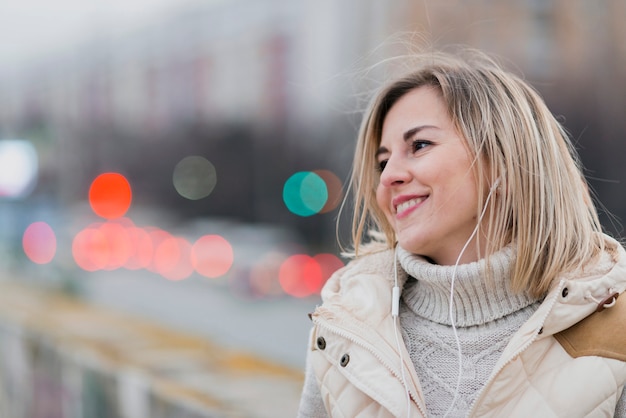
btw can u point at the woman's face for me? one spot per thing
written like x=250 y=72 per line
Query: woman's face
x=427 y=189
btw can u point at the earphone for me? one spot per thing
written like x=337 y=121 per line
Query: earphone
x=395 y=309
x=395 y=305
x=395 y=291
x=493 y=188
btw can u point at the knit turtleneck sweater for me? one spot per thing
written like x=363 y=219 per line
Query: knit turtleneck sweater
x=486 y=314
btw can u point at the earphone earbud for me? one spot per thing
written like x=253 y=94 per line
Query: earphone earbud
x=496 y=184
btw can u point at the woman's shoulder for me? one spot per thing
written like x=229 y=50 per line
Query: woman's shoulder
x=599 y=333
x=371 y=268
x=372 y=258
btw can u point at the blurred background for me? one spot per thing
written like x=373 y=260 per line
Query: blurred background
x=182 y=163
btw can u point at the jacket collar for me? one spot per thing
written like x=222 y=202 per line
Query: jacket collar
x=574 y=297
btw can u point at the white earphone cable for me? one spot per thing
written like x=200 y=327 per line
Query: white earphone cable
x=395 y=302
x=451 y=307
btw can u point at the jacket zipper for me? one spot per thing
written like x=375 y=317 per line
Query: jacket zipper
x=519 y=351
x=347 y=335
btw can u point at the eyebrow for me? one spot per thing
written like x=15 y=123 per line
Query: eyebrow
x=406 y=136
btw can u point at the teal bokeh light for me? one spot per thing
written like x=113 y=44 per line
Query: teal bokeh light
x=305 y=193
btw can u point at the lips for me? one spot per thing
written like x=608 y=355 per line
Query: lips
x=402 y=205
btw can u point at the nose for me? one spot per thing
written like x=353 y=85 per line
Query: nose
x=395 y=173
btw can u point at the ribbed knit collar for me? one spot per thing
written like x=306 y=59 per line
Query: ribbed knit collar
x=476 y=299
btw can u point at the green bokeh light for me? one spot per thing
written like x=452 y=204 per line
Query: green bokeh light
x=305 y=193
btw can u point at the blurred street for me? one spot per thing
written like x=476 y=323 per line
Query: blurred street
x=59 y=355
x=273 y=329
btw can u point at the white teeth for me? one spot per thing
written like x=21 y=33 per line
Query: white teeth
x=404 y=206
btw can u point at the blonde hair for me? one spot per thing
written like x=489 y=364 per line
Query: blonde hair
x=543 y=203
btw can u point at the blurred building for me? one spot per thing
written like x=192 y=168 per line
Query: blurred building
x=293 y=74
x=267 y=61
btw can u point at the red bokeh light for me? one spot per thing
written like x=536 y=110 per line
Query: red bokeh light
x=90 y=249
x=300 y=276
x=264 y=274
x=39 y=243
x=142 y=249
x=106 y=246
x=110 y=195
x=118 y=244
x=212 y=256
x=157 y=236
x=329 y=263
x=172 y=258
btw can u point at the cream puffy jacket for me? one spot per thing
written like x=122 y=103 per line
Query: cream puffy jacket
x=565 y=361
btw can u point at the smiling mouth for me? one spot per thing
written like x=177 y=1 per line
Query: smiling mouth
x=409 y=204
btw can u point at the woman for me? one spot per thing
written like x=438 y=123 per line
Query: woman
x=478 y=290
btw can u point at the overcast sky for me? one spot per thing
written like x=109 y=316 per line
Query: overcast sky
x=30 y=27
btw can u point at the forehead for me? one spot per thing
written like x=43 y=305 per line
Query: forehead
x=419 y=107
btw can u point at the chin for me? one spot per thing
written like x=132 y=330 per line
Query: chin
x=411 y=247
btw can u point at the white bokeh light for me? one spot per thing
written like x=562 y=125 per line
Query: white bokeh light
x=18 y=168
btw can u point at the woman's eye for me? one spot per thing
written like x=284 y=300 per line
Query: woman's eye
x=382 y=165
x=419 y=144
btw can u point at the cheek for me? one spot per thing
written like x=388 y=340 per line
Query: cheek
x=466 y=198
x=457 y=178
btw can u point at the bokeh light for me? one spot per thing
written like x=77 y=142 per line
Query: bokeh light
x=117 y=244
x=329 y=263
x=39 y=243
x=103 y=246
x=212 y=256
x=305 y=193
x=264 y=274
x=110 y=195
x=334 y=188
x=172 y=258
x=90 y=248
x=18 y=168
x=142 y=249
x=194 y=177
x=157 y=237
x=300 y=276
